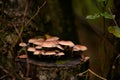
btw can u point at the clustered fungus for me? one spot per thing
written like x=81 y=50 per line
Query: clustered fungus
x=53 y=48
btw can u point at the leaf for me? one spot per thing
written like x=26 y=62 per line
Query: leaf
x=115 y=30
x=93 y=16
x=107 y=15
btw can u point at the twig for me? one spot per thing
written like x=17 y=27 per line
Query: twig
x=35 y=13
x=1 y=78
x=112 y=17
x=22 y=28
x=27 y=63
x=4 y=70
x=118 y=56
x=17 y=31
x=89 y=70
x=25 y=11
x=1 y=67
x=80 y=74
x=96 y=74
x=27 y=67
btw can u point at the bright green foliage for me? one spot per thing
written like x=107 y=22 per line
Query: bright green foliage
x=115 y=30
x=93 y=16
x=97 y=15
x=107 y=15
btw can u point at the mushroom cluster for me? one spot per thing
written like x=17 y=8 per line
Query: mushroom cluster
x=53 y=48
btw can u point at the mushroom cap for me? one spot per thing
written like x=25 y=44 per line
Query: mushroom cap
x=49 y=44
x=31 y=49
x=37 y=43
x=60 y=54
x=32 y=40
x=86 y=58
x=79 y=48
x=52 y=39
x=41 y=39
x=38 y=47
x=23 y=56
x=66 y=43
x=37 y=52
x=22 y=44
x=50 y=53
x=58 y=46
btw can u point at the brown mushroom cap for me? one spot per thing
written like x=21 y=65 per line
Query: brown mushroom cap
x=41 y=39
x=60 y=54
x=79 y=48
x=37 y=52
x=49 y=44
x=37 y=43
x=50 y=53
x=32 y=40
x=31 y=49
x=52 y=39
x=22 y=44
x=66 y=43
x=23 y=56
x=38 y=47
x=86 y=58
x=58 y=46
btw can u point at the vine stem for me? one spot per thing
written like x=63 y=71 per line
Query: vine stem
x=96 y=74
x=113 y=17
x=92 y=72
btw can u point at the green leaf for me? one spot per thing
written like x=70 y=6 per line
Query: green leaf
x=115 y=30
x=107 y=15
x=93 y=16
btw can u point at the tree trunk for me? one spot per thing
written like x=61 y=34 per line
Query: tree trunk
x=67 y=70
x=56 y=18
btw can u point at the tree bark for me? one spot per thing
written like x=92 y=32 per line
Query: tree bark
x=57 y=18
x=67 y=70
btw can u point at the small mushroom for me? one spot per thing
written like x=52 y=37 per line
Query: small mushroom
x=58 y=46
x=66 y=43
x=86 y=58
x=37 y=52
x=23 y=56
x=50 y=53
x=22 y=44
x=32 y=40
x=37 y=43
x=79 y=48
x=38 y=47
x=60 y=54
x=49 y=44
x=52 y=39
x=31 y=49
x=41 y=39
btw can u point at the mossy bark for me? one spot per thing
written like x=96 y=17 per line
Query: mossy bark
x=68 y=70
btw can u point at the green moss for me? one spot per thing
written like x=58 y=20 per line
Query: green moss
x=61 y=61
